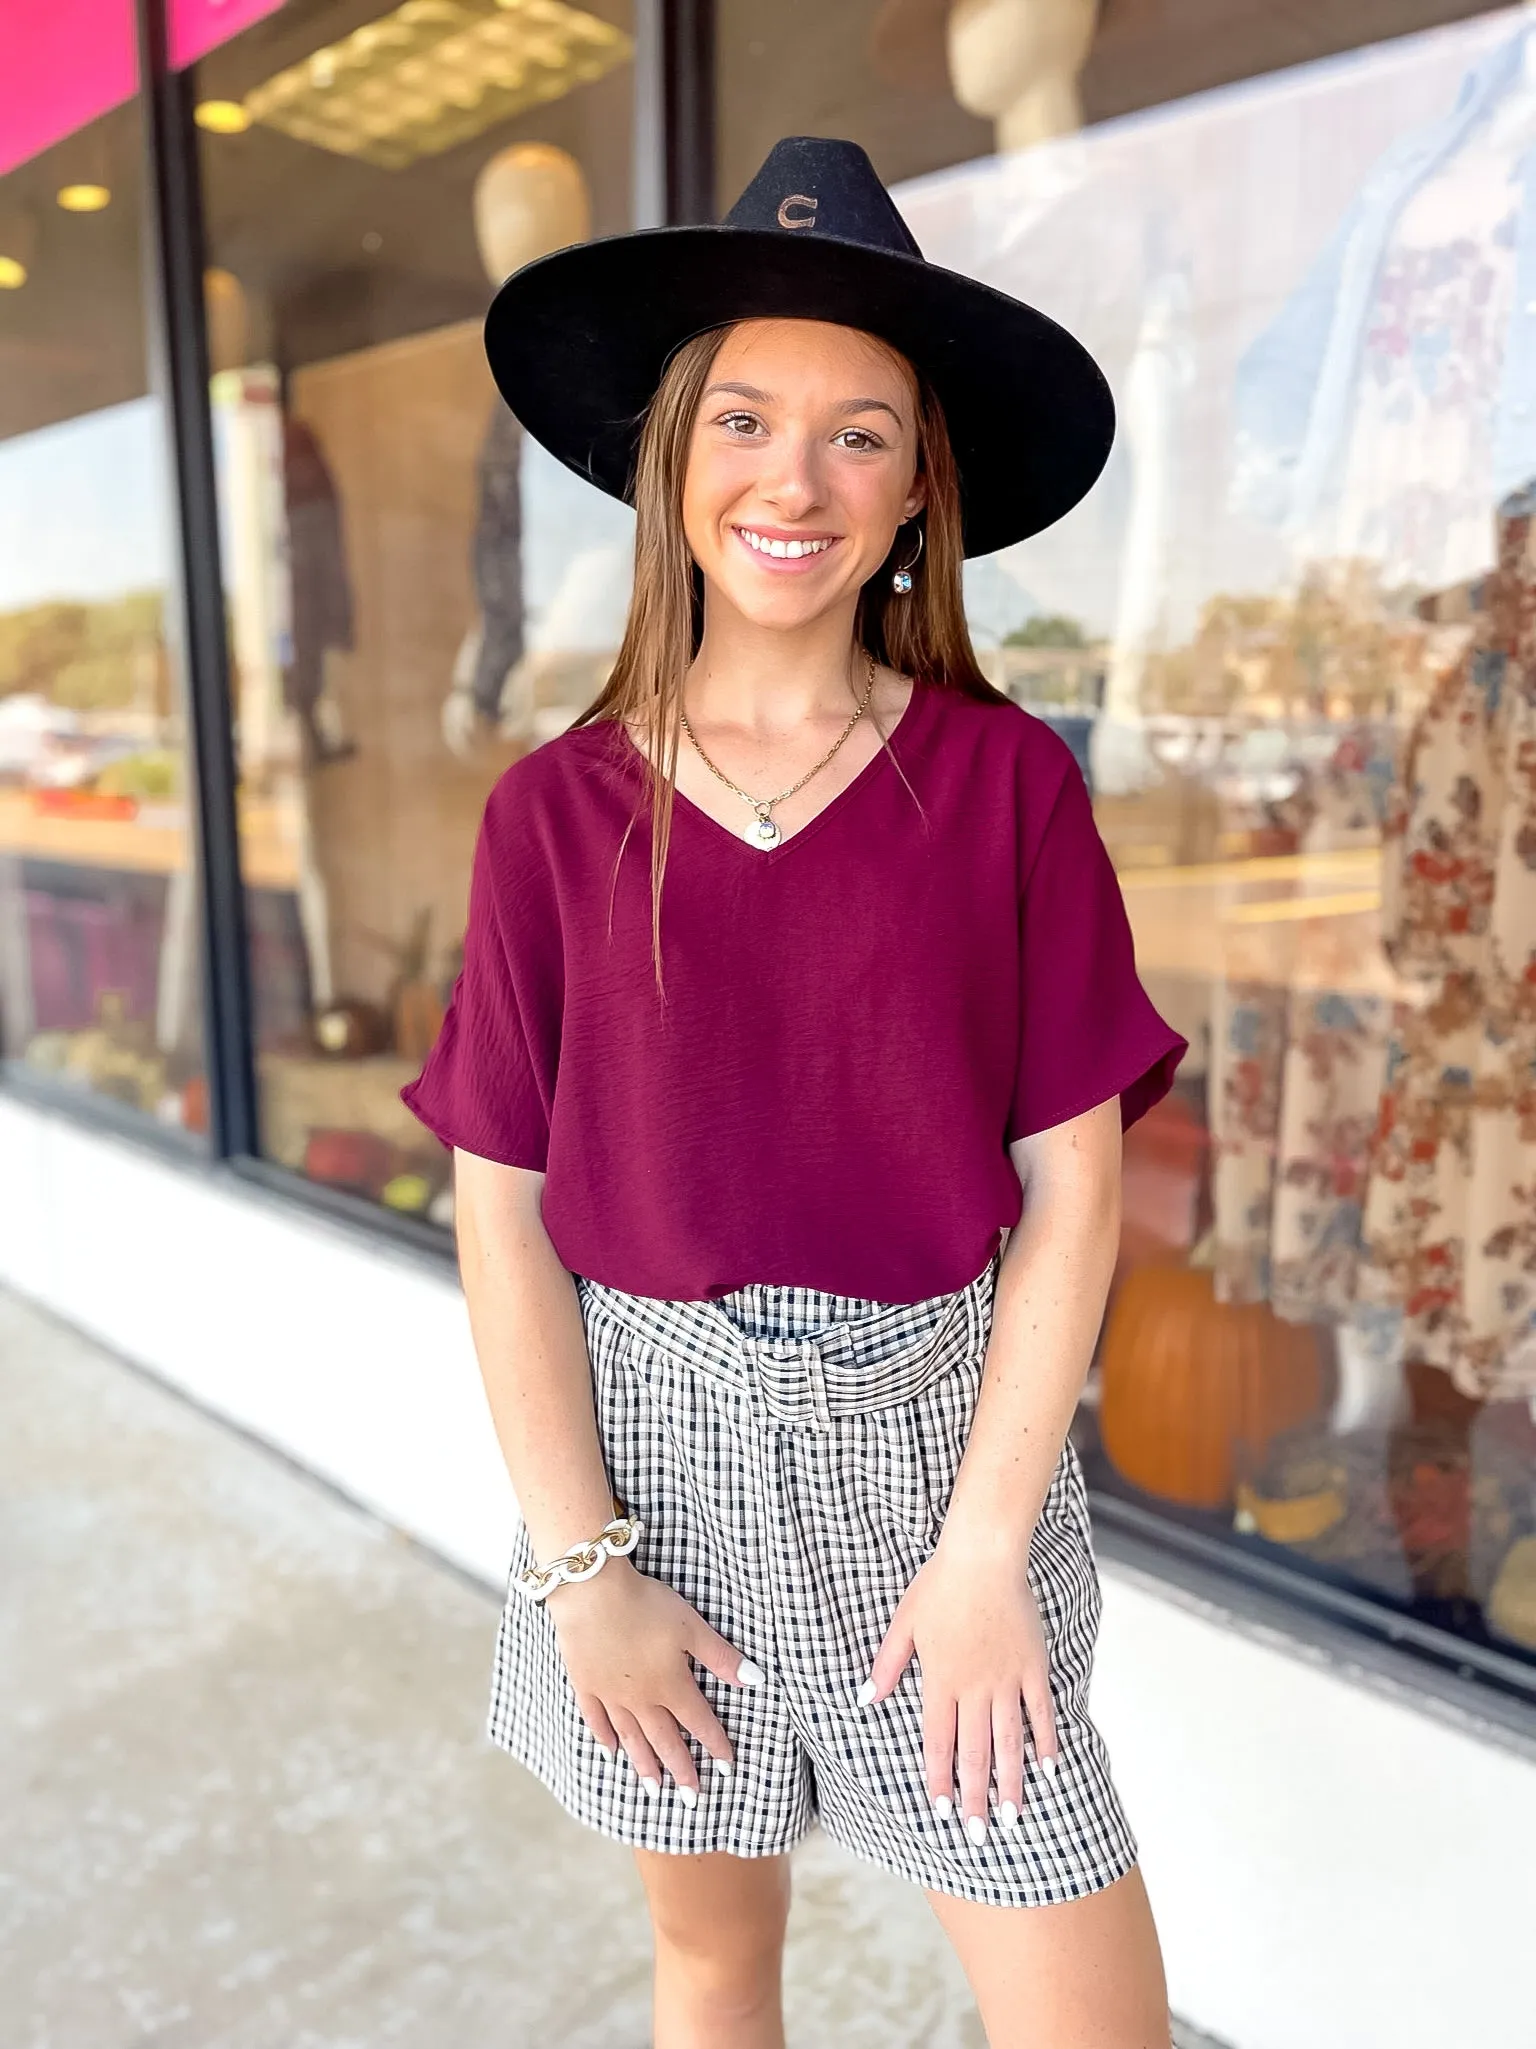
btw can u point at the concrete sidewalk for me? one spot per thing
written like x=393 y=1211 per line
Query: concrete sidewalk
x=247 y=1800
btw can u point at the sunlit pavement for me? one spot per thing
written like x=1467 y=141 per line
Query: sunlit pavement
x=247 y=1800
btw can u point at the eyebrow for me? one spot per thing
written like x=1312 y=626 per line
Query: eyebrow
x=847 y=406
x=870 y=405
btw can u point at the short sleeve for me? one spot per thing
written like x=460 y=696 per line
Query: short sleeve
x=1089 y=1029
x=488 y=1083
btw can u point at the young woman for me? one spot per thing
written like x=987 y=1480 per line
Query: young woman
x=786 y=1074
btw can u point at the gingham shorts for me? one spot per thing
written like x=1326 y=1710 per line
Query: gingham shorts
x=791 y=1453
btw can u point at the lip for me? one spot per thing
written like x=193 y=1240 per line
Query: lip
x=786 y=565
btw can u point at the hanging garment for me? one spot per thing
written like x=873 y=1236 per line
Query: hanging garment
x=1248 y=1024
x=1390 y=401
x=1450 y=1213
x=498 y=560
x=1296 y=1077
x=1299 y=1037
x=1330 y=1096
x=321 y=590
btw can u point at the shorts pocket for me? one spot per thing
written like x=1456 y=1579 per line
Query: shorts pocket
x=909 y=1453
x=892 y=1473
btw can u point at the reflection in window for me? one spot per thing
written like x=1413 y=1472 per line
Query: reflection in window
x=1290 y=636
x=416 y=594
x=99 y=989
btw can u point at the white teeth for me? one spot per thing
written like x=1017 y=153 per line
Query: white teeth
x=793 y=550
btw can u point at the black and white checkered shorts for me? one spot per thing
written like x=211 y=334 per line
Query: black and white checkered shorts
x=791 y=1453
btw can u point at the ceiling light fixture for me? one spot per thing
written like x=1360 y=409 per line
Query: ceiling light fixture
x=13 y=274
x=221 y=117
x=435 y=73
x=84 y=198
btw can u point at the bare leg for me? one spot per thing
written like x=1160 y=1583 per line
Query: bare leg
x=1086 y=1974
x=719 y=1927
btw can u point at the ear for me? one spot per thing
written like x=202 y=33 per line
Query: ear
x=915 y=499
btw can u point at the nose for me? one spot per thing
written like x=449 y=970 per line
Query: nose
x=793 y=480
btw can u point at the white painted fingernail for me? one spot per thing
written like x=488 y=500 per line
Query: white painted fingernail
x=1048 y=1766
x=944 y=1807
x=1007 y=1815
x=610 y=1756
x=976 y=1829
x=723 y=1769
x=652 y=1786
x=866 y=1693
x=688 y=1796
x=750 y=1674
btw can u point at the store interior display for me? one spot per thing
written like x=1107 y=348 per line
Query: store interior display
x=1307 y=757
x=386 y=602
x=99 y=971
x=1449 y=1213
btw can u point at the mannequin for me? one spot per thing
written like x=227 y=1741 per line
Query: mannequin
x=1016 y=63
x=529 y=199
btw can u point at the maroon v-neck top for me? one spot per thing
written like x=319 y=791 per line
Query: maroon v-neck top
x=858 y=1022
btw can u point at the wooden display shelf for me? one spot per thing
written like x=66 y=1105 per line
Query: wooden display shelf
x=152 y=843
x=1308 y=920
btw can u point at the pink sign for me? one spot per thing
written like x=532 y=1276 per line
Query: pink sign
x=63 y=62
x=197 y=26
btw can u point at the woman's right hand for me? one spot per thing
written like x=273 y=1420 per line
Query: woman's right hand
x=626 y=1640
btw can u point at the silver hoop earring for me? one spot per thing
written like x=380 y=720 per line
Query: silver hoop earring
x=901 y=582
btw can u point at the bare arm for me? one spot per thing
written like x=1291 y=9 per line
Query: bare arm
x=970 y=1615
x=1051 y=1285
x=532 y=1348
x=626 y=1639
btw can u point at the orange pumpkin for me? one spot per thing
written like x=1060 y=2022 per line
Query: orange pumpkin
x=194 y=1103
x=1192 y=1390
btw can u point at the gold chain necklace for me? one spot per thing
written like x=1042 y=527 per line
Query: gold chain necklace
x=762 y=832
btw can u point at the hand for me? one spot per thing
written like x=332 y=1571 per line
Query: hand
x=626 y=1640
x=974 y=1625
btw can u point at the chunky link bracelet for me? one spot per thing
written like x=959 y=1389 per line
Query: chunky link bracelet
x=617 y=1540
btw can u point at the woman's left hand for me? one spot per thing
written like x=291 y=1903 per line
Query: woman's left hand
x=974 y=1626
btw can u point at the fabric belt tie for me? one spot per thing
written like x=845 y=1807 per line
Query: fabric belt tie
x=804 y=1380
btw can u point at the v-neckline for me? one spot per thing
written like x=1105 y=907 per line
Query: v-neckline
x=764 y=857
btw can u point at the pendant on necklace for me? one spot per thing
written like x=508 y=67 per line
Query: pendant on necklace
x=762 y=832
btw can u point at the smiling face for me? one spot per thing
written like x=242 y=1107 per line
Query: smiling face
x=801 y=466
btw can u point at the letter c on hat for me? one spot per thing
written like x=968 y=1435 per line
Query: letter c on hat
x=806 y=219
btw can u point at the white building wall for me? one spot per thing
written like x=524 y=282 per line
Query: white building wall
x=1332 y=1867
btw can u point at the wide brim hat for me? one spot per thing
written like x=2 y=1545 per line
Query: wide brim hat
x=578 y=341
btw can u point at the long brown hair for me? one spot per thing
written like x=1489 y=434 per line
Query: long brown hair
x=923 y=635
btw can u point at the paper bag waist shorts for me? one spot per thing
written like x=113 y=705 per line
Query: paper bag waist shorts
x=792 y=1453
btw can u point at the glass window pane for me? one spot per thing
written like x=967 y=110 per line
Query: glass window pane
x=1289 y=636
x=99 y=960
x=416 y=593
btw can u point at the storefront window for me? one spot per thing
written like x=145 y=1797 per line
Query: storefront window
x=416 y=594
x=1291 y=636
x=99 y=961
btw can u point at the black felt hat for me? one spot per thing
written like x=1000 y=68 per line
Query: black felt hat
x=578 y=340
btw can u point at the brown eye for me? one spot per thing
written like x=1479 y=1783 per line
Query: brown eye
x=859 y=440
